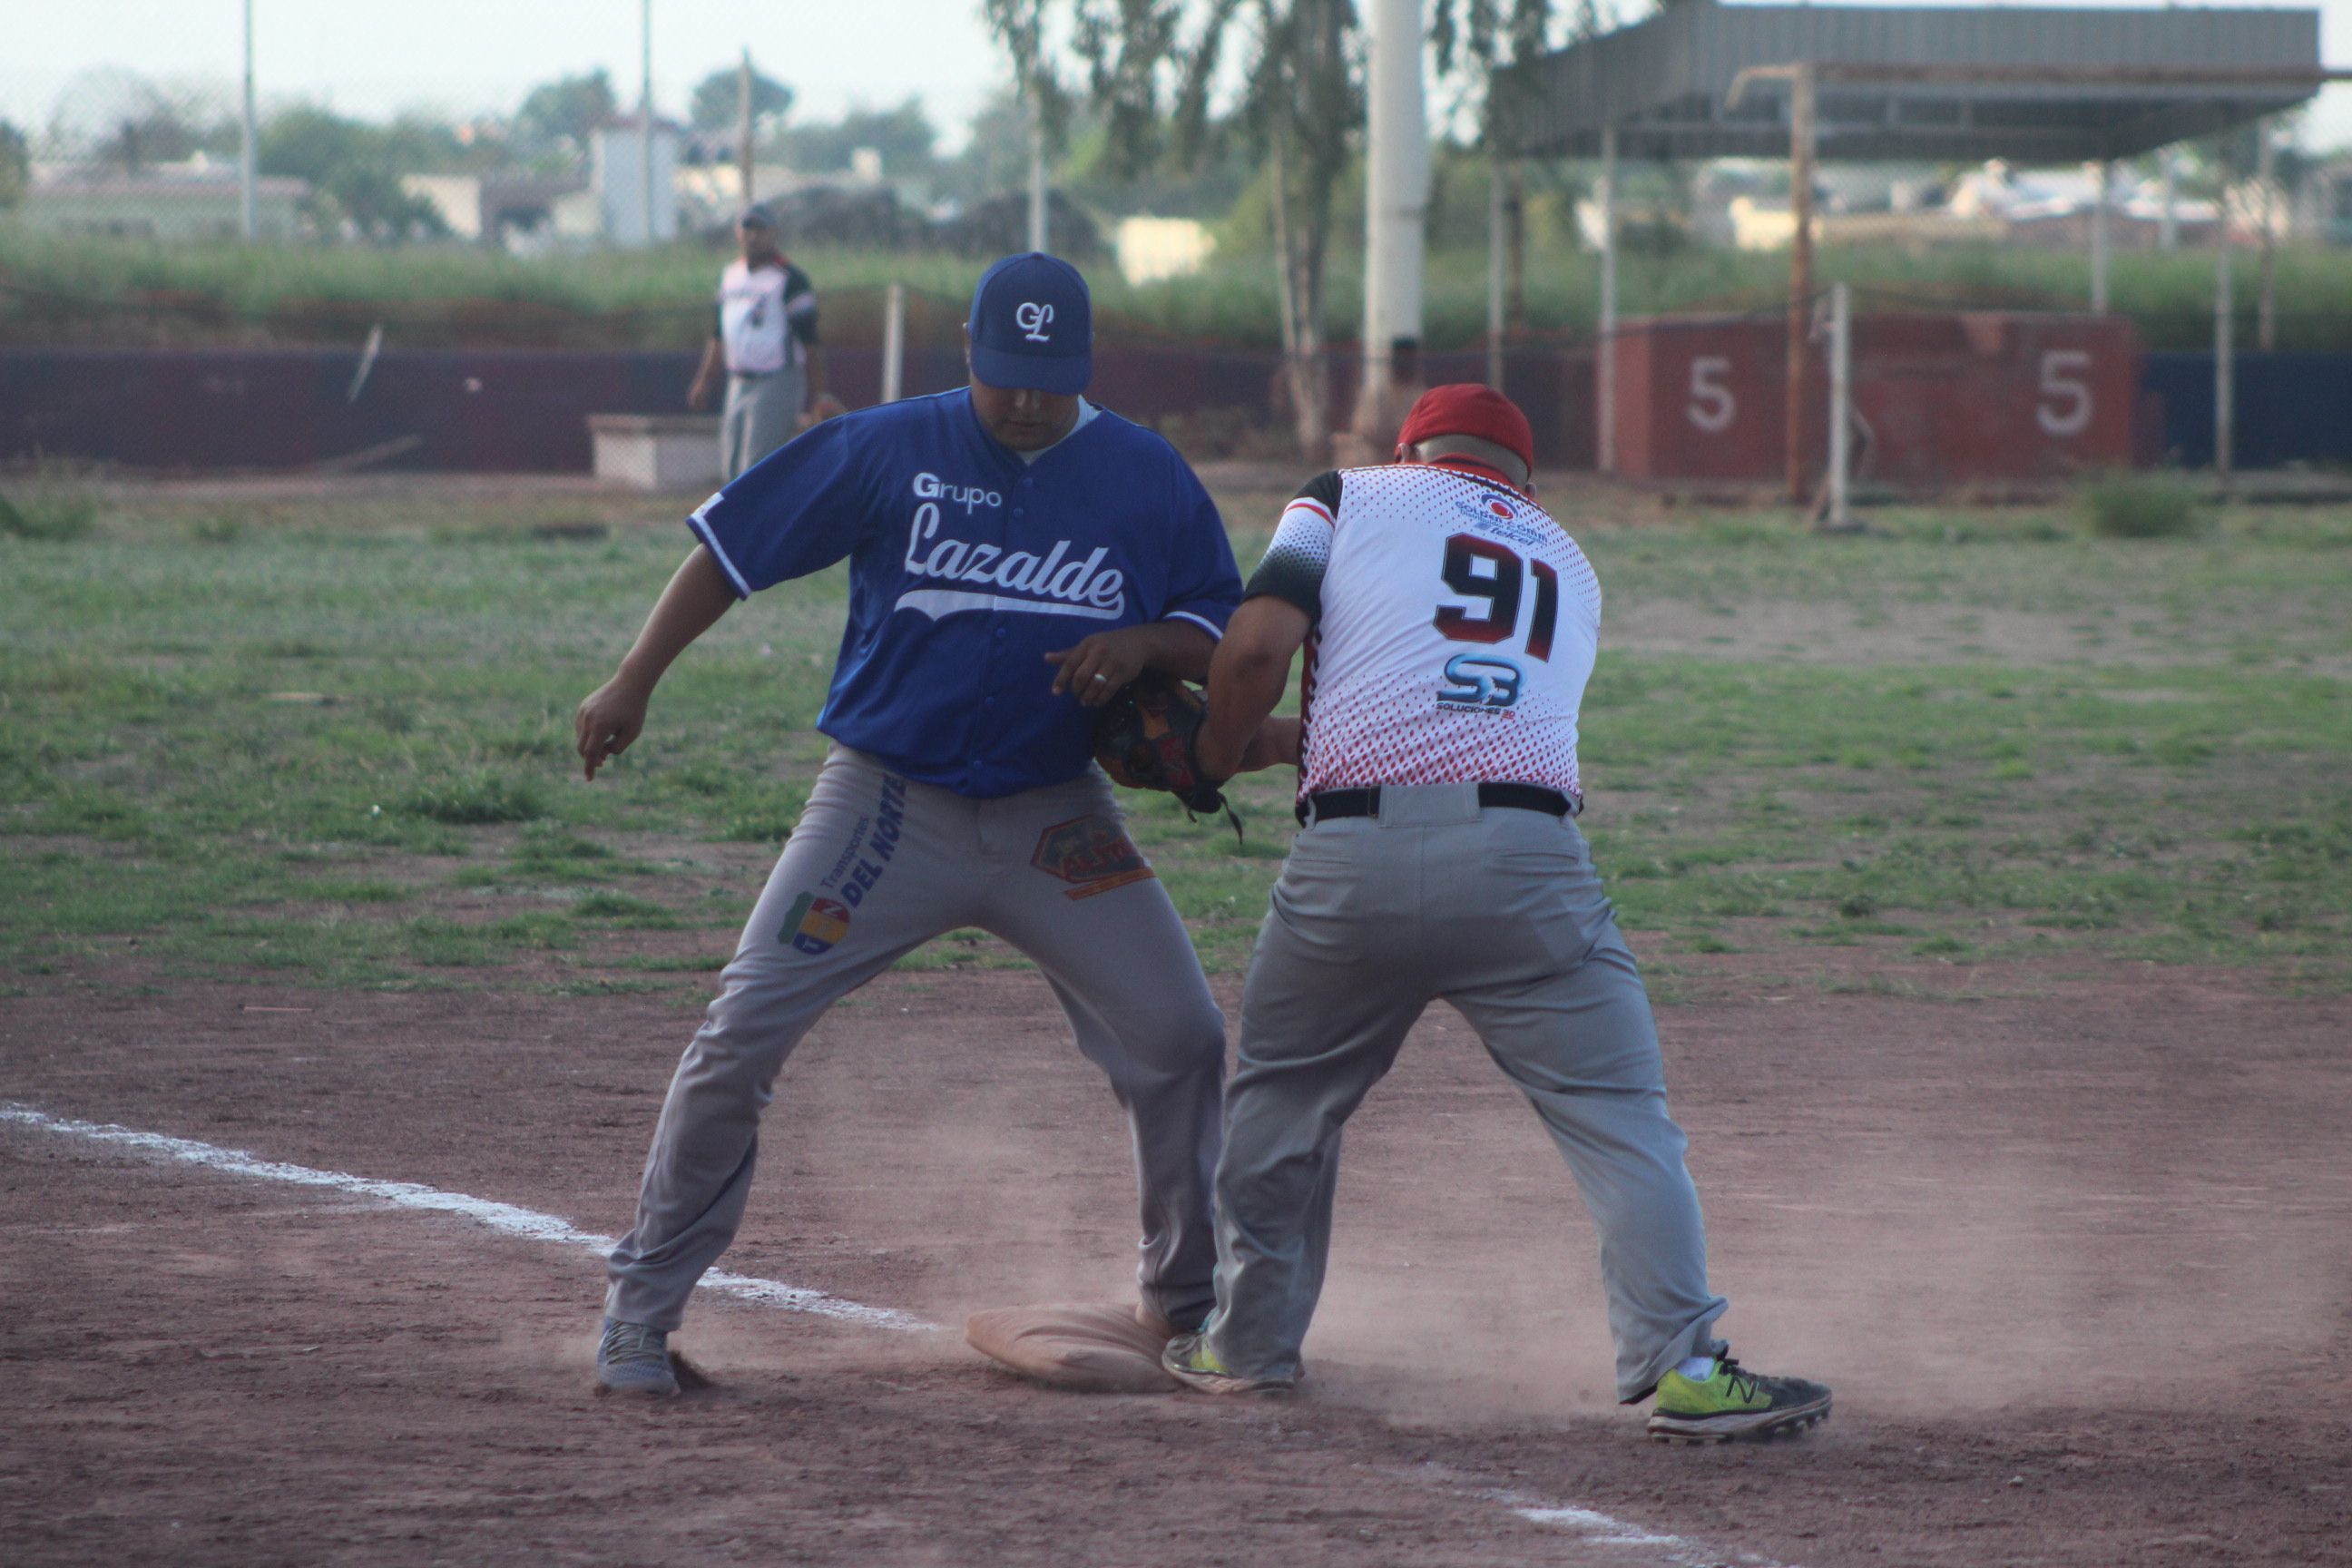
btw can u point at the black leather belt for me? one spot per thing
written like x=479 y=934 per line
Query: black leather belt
x=1336 y=803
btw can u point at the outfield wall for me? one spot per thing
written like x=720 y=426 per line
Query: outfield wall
x=525 y=411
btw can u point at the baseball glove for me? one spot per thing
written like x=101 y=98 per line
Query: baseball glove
x=1144 y=738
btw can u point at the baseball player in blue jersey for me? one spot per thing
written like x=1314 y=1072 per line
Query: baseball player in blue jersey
x=1016 y=555
x=1452 y=625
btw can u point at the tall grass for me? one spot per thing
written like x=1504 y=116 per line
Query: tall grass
x=55 y=288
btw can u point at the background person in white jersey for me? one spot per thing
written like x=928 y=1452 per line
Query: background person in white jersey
x=765 y=341
x=1450 y=627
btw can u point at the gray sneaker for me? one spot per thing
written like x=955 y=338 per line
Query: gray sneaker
x=634 y=1359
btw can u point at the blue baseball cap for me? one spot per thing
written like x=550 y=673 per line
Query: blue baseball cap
x=1032 y=325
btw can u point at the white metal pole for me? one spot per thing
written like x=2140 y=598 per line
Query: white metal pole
x=2225 y=368
x=894 y=342
x=1396 y=198
x=248 y=153
x=1840 y=514
x=645 y=113
x=1494 y=241
x=2103 y=173
x=1040 y=232
x=1605 y=366
x=2167 y=230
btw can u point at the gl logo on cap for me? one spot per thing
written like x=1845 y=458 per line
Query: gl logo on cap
x=1032 y=320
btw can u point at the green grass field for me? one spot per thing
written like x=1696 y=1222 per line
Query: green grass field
x=328 y=743
x=113 y=290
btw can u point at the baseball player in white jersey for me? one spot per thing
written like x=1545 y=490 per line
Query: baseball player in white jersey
x=1449 y=628
x=763 y=335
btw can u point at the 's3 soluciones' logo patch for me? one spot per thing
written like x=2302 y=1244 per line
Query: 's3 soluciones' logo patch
x=1479 y=683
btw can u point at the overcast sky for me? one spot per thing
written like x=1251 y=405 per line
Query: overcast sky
x=373 y=57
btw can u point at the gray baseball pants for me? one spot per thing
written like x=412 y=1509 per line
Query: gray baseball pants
x=1500 y=912
x=878 y=866
x=762 y=413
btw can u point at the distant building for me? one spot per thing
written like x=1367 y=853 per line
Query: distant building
x=618 y=153
x=2323 y=206
x=1151 y=249
x=509 y=210
x=1994 y=205
x=196 y=200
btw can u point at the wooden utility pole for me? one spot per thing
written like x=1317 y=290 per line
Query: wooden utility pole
x=746 y=148
x=2225 y=358
x=1494 y=247
x=2267 y=179
x=1515 y=228
x=2103 y=175
x=1605 y=336
x=1801 y=267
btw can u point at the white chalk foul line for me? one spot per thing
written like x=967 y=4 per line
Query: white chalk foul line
x=1597 y=1528
x=507 y=1219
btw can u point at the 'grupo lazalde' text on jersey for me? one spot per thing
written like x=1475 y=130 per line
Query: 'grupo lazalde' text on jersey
x=967 y=567
x=1454 y=629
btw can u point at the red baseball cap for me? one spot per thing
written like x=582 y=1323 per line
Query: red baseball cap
x=1466 y=408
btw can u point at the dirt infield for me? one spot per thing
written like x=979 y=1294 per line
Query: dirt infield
x=2073 y=1258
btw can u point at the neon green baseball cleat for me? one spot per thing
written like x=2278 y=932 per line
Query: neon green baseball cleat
x=1190 y=1360
x=1734 y=1402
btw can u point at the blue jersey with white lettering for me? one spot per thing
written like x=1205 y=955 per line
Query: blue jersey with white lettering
x=966 y=567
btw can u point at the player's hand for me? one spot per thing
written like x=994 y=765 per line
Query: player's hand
x=1099 y=666
x=613 y=716
x=823 y=408
x=698 y=396
x=1276 y=745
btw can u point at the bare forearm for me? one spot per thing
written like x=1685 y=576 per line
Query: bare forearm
x=819 y=383
x=705 y=374
x=1244 y=689
x=1245 y=681
x=696 y=597
x=1180 y=648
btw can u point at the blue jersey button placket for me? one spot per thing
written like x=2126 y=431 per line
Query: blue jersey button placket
x=985 y=731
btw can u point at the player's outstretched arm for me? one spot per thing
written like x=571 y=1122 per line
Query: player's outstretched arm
x=615 y=712
x=1098 y=665
x=1246 y=680
x=708 y=374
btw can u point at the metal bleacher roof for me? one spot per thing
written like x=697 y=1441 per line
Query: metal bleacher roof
x=1943 y=83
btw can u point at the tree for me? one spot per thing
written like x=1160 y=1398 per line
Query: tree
x=904 y=136
x=15 y=164
x=1484 y=45
x=354 y=170
x=569 y=108
x=716 y=105
x=1301 y=108
x=1301 y=102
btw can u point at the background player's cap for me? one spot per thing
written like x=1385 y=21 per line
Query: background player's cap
x=1466 y=408
x=757 y=217
x=1032 y=325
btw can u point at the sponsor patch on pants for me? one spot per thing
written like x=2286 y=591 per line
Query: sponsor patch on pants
x=1093 y=852
x=814 y=924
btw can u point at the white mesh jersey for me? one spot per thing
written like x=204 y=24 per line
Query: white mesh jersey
x=1455 y=625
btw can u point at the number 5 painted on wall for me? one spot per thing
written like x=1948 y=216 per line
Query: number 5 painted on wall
x=2065 y=405
x=1712 y=406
